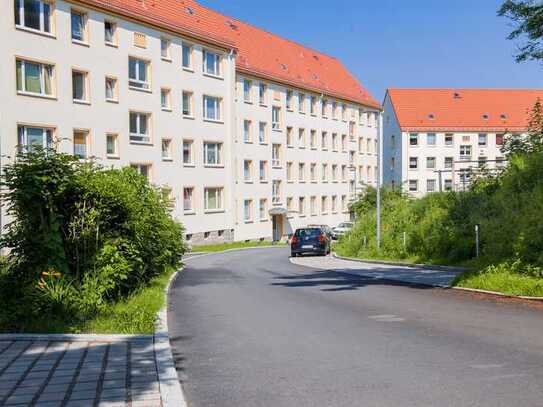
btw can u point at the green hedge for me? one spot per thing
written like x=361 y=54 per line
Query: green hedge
x=82 y=237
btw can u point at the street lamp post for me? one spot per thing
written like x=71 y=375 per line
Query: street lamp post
x=378 y=206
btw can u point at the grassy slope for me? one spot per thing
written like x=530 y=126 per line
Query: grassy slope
x=502 y=281
x=133 y=315
x=235 y=245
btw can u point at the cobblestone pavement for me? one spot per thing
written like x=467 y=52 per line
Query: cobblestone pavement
x=57 y=373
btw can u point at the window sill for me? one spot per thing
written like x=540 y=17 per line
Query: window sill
x=213 y=121
x=112 y=101
x=189 y=165
x=36 y=95
x=210 y=75
x=167 y=109
x=289 y=109
x=213 y=165
x=188 y=117
x=263 y=181
x=188 y=213
x=141 y=143
x=214 y=211
x=263 y=143
x=81 y=102
x=111 y=44
x=79 y=42
x=264 y=220
x=248 y=221
x=249 y=102
x=263 y=104
x=302 y=147
x=290 y=146
x=167 y=159
x=139 y=89
x=113 y=156
x=248 y=141
x=38 y=32
x=301 y=112
x=187 y=69
x=166 y=59
x=247 y=181
x=277 y=130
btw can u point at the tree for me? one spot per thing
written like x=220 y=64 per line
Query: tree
x=533 y=141
x=528 y=18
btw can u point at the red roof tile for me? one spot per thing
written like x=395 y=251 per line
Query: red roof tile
x=260 y=53
x=463 y=109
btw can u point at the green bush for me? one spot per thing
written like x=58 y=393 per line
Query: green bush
x=81 y=237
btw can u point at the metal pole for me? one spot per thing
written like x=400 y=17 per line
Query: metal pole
x=379 y=156
x=404 y=240
x=476 y=240
x=440 y=182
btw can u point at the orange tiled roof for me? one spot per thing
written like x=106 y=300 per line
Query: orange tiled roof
x=463 y=109
x=260 y=53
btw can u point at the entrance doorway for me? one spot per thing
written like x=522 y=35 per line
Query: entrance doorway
x=277 y=225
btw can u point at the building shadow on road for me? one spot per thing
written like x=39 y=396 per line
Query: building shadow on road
x=338 y=280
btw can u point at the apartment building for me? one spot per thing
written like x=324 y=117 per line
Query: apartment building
x=436 y=139
x=245 y=144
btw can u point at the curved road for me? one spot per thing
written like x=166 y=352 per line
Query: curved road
x=250 y=329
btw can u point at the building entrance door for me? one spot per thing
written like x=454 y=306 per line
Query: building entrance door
x=277 y=224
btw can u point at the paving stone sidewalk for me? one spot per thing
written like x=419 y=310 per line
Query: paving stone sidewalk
x=69 y=373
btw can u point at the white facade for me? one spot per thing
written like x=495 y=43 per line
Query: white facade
x=85 y=94
x=425 y=161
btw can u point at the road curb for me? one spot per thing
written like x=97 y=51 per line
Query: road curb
x=171 y=391
x=74 y=337
x=394 y=263
x=497 y=294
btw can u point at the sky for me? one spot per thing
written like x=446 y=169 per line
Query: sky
x=400 y=43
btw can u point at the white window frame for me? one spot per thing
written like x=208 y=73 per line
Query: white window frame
x=86 y=136
x=22 y=18
x=86 y=90
x=167 y=92
x=248 y=171
x=189 y=66
x=263 y=209
x=114 y=40
x=115 y=153
x=137 y=83
x=43 y=66
x=276 y=118
x=190 y=143
x=248 y=210
x=166 y=153
x=190 y=190
x=190 y=97
x=165 y=53
x=220 y=205
x=115 y=89
x=218 y=162
x=263 y=133
x=218 y=108
x=263 y=167
x=140 y=138
x=217 y=62
x=85 y=29
x=247 y=91
x=22 y=137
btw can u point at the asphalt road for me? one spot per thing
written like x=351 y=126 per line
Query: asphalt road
x=250 y=329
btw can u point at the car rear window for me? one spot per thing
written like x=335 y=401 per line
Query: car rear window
x=309 y=232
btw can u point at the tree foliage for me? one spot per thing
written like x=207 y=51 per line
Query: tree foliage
x=527 y=15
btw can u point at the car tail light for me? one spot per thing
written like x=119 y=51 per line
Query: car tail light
x=294 y=240
x=322 y=238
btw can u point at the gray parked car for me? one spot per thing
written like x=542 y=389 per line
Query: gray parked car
x=342 y=229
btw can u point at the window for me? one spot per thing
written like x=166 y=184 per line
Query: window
x=500 y=162
x=79 y=26
x=212 y=108
x=289 y=137
x=413 y=139
x=313 y=205
x=276 y=155
x=263 y=171
x=33 y=14
x=112 y=94
x=324 y=108
x=324 y=204
x=289 y=171
x=140 y=40
x=112 y=147
x=482 y=140
x=392 y=141
x=313 y=140
x=324 y=140
x=165 y=99
x=165 y=45
x=248 y=171
x=262 y=93
x=262 y=132
x=301 y=206
x=301 y=172
x=344 y=113
x=413 y=185
x=213 y=199
x=212 y=153
x=466 y=138
x=187 y=104
x=301 y=138
x=313 y=172
x=247 y=136
x=430 y=162
x=188 y=155
x=465 y=153
x=35 y=78
x=361 y=145
x=289 y=206
x=138 y=73
x=334 y=110
x=139 y=127
x=343 y=142
x=142 y=169
x=431 y=139
x=80 y=143
x=188 y=201
x=247 y=86
x=482 y=161
x=212 y=63
x=313 y=105
x=343 y=173
x=110 y=32
x=448 y=162
x=289 y=99
x=276 y=191
x=31 y=137
x=276 y=118
x=248 y=210
x=334 y=142
x=413 y=163
x=431 y=185
x=166 y=149
x=186 y=56
x=344 y=203
x=324 y=173
x=499 y=139
x=448 y=185
x=449 y=139
x=334 y=203
x=334 y=173
x=263 y=209
x=301 y=103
